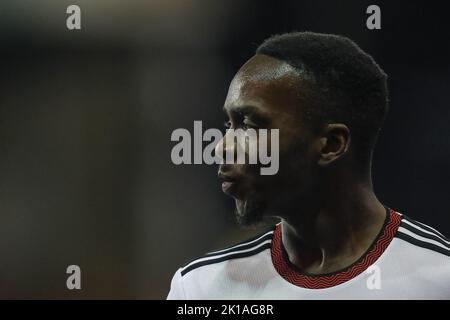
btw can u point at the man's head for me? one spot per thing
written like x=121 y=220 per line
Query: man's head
x=328 y=99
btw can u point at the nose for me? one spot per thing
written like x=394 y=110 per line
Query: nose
x=222 y=148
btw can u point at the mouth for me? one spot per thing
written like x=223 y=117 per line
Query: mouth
x=229 y=183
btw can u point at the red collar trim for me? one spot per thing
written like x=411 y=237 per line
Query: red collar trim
x=290 y=274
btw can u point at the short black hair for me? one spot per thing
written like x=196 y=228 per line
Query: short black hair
x=348 y=85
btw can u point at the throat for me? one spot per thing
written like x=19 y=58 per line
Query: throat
x=327 y=245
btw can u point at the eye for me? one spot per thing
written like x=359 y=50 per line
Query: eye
x=227 y=124
x=247 y=124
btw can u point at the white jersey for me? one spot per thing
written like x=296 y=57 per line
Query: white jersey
x=408 y=260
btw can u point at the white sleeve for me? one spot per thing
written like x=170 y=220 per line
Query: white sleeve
x=176 y=287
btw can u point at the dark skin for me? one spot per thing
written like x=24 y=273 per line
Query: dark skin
x=323 y=195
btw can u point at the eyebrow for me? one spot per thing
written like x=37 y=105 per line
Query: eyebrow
x=248 y=110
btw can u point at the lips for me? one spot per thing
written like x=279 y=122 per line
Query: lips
x=229 y=183
x=227 y=186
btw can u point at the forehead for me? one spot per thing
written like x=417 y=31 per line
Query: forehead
x=267 y=83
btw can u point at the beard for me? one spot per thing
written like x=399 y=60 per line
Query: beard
x=274 y=196
x=258 y=207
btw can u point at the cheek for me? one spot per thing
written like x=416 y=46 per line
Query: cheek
x=252 y=145
x=295 y=159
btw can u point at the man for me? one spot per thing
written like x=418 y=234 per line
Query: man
x=335 y=240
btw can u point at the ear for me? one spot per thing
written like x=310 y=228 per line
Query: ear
x=334 y=143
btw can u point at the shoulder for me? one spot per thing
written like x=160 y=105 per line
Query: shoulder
x=243 y=249
x=423 y=237
x=204 y=271
x=422 y=254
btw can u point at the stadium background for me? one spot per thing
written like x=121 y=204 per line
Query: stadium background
x=86 y=118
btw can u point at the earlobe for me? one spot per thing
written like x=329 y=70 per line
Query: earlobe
x=334 y=143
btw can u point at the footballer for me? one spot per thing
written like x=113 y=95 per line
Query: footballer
x=335 y=239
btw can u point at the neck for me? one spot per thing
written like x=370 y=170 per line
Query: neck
x=337 y=230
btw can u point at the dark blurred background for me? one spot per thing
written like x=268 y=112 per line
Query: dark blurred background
x=86 y=117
